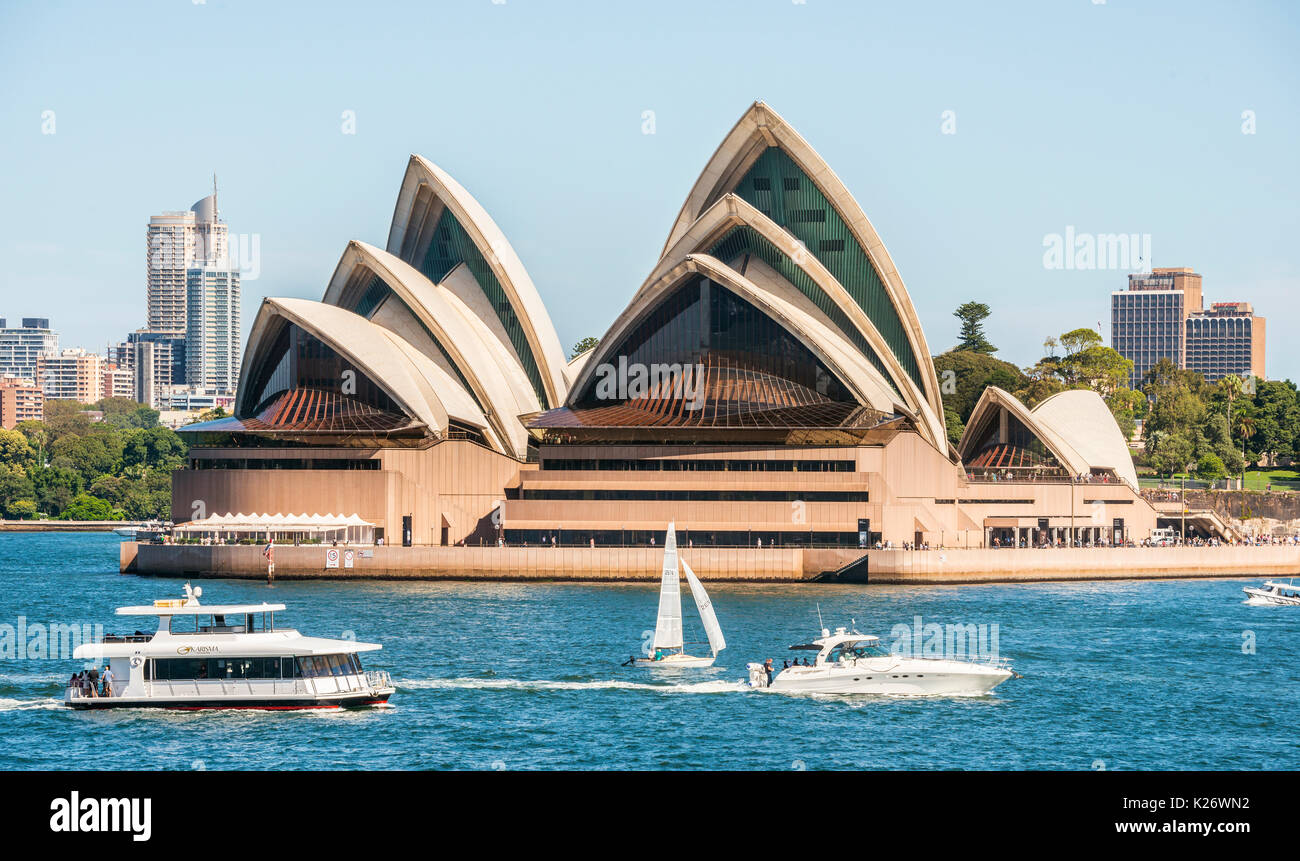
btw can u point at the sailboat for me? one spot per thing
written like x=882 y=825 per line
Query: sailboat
x=669 y=650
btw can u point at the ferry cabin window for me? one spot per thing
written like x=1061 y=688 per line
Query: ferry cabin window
x=198 y=669
x=329 y=665
x=243 y=623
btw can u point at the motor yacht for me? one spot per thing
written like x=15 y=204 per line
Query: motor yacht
x=228 y=656
x=848 y=662
x=1273 y=594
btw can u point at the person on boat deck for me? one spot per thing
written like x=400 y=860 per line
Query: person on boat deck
x=659 y=654
x=93 y=677
x=767 y=668
x=108 y=681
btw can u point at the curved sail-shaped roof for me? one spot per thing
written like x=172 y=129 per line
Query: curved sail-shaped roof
x=1075 y=427
x=404 y=377
x=766 y=162
x=396 y=296
x=438 y=228
x=1081 y=418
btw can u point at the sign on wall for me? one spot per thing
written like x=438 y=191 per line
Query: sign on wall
x=332 y=558
x=348 y=557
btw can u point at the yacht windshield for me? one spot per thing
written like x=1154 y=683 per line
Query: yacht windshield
x=851 y=651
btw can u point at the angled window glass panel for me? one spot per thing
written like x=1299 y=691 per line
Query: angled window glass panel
x=743 y=239
x=708 y=348
x=305 y=382
x=1021 y=452
x=806 y=213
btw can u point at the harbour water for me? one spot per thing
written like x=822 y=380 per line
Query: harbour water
x=1117 y=675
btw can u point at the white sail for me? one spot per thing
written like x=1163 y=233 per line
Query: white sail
x=668 y=627
x=705 y=606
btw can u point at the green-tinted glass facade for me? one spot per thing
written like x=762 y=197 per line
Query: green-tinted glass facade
x=744 y=239
x=776 y=186
x=451 y=246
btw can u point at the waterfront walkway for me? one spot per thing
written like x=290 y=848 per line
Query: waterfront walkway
x=774 y=564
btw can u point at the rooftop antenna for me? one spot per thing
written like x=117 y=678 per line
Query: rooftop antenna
x=216 y=213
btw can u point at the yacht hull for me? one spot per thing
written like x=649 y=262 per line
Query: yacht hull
x=674 y=662
x=897 y=680
x=1262 y=598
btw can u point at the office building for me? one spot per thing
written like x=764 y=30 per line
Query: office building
x=1226 y=339
x=21 y=346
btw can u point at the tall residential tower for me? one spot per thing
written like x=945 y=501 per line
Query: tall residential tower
x=175 y=242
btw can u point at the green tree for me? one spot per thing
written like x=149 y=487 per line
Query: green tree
x=22 y=509
x=15 y=449
x=954 y=424
x=38 y=437
x=965 y=374
x=972 y=316
x=126 y=413
x=87 y=507
x=15 y=488
x=583 y=346
x=56 y=487
x=1276 y=409
x=1169 y=453
x=66 y=418
x=92 y=455
x=1210 y=467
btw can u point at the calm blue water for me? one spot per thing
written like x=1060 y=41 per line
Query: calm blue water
x=1129 y=675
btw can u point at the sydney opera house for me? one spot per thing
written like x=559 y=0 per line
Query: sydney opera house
x=768 y=383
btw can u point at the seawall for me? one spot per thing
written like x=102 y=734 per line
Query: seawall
x=611 y=564
x=64 y=525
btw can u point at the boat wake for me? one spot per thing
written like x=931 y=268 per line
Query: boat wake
x=11 y=705
x=710 y=687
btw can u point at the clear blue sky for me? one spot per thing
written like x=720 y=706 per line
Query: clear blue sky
x=1115 y=117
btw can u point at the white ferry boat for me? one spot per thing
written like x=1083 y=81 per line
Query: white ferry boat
x=853 y=663
x=1271 y=593
x=224 y=657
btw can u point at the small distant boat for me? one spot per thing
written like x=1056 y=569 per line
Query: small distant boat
x=1273 y=594
x=668 y=650
x=127 y=531
x=851 y=663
